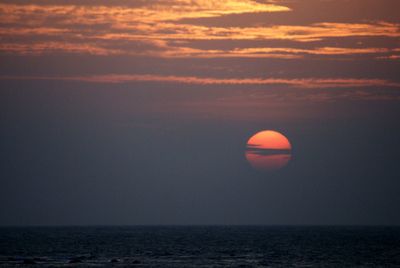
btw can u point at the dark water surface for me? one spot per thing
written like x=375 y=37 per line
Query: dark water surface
x=200 y=246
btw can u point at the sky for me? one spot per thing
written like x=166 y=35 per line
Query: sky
x=133 y=112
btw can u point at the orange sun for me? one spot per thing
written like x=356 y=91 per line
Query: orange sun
x=268 y=150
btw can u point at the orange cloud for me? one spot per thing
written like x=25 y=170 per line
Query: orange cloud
x=155 y=11
x=265 y=52
x=297 y=83
x=163 y=50
x=314 y=32
x=52 y=47
x=85 y=29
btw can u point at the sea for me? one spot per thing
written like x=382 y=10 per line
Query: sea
x=200 y=246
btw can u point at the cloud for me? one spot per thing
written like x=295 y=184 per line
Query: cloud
x=391 y=57
x=161 y=30
x=154 y=11
x=162 y=49
x=267 y=52
x=57 y=47
x=103 y=30
x=306 y=83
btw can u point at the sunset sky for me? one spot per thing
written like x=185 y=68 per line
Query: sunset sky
x=138 y=111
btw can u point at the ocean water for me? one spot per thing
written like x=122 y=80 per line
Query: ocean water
x=200 y=246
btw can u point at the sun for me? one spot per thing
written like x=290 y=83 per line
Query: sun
x=268 y=150
x=269 y=139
